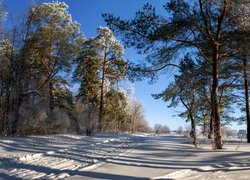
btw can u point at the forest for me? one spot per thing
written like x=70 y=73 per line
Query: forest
x=42 y=56
x=45 y=54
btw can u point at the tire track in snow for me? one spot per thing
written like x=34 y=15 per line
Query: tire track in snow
x=81 y=157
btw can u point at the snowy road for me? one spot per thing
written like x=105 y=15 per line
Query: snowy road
x=75 y=157
x=170 y=157
x=60 y=156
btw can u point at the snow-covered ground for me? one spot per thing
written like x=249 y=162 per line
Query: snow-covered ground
x=203 y=163
x=121 y=157
x=59 y=156
x=171 y=157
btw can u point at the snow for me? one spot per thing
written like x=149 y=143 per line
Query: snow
x=59 y=156
x=230 y=163
x=113 y=156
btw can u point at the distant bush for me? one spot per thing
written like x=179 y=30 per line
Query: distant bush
x=179 y=130
x=161 y=129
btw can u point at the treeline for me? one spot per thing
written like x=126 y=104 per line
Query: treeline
x=37 y=59
x=208 y=43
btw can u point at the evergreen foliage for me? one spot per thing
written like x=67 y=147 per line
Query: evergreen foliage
x=201 y=27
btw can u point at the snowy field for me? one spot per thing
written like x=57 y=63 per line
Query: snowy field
x=121 y=157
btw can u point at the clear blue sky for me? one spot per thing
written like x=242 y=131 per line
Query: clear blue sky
x=88 y=14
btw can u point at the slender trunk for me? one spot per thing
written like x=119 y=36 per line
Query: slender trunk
x=246 y=97
x=77 y=126
x=6 y=112
x=132 y=125
x=17 y=99
x=6 y=122
x=50 y=68
x=1 y=105
x=133 y=120
x=7 y=105
x=51 y=96
x=193 y=130
x=103 y=89
x=88 y=123
x=215 y=107
x=16 y=108
x=204 y=128
x=211 y=123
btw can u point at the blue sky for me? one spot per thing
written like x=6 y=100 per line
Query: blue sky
x=88 y=14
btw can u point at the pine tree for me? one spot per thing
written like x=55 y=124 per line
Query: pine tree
x=100 y=67
x=185 y=90
x=112 y=66
x=5 y=78
x=42 y=45
x=86 y=73
x=55 y=41
x=200 y=27
x=115 y=114
x=241 y=55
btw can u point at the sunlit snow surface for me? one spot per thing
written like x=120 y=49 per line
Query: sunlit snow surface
x=121 y=156
x=59 y=156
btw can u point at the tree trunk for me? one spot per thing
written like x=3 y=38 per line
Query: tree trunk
x=132 y=125
x=103 y=89
x=16 y=108
x=193 y=130
x=204 y=128
x=1 y=105
x=211 y=123
x=215 y=108
x=17 y=98
x=51 y=96
x=246 y=97
x=89 y=121
x=6 y=113
x=7 y=106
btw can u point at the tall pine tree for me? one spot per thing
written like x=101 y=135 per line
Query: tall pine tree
x=100 y=67
x=201 y=27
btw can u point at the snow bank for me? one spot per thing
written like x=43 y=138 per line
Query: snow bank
x=178 y=174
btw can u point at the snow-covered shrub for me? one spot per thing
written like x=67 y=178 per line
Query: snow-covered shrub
x=86 y=118
x=161 y=129
x=60 y=121
x=179 y=130
x=36 y=119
